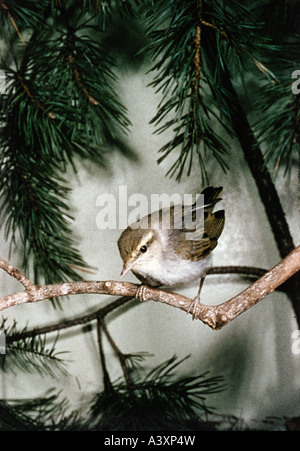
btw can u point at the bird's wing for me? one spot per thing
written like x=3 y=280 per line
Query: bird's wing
x=206 y=240
x=203 y=237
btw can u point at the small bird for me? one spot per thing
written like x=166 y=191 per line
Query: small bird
x=163 y=256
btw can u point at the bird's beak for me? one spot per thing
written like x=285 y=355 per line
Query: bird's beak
x=127 y=267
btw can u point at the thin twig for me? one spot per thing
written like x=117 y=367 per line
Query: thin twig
x=197 y=57
x=250 y=271
x=121 y=356
x=34 y=100
x=198 y=39
x=5 y=7
x=214 y=27
x=197 y=60
x=73 y=322
x=76 y=73
x=106 y=379
x=16 y=274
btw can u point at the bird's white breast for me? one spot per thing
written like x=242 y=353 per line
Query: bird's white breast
x=172 y=270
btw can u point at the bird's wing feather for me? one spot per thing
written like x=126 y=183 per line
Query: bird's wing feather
x=204 y=236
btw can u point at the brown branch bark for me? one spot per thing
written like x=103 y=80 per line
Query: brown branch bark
x=214 y=27
x=248 y=271
x=33 y=100
x=75 y=71
x=215 y=316
x=5 y=8
x=264 y=183
x=16 y=274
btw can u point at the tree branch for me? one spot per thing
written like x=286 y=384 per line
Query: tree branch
x=16 y=274
x=119 y=302
x=76 y=73
x=259 y=170
x=5 y=8
x=33 y=100
x=121 y=356
x=106 y=379
x=215 y=316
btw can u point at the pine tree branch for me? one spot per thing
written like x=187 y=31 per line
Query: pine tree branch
x=261 y=175
x=296 y=135
x=5 y=8
x=76 y=73
x=257 y=165
x=33 y=100
x=16 y=274
x=214 y=316
x=217 y=316
x=251 y=271
x=103 y=311
x=73 y=322
x=214 y=27
x=269 y=197
x=121 y=356
x=197 y=60
x=197 y=57
x=106 y=379
x=59 y=103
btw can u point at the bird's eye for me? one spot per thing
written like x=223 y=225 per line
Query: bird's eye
x=143 y=249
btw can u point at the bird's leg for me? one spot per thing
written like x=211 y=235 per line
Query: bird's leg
x=194 y=307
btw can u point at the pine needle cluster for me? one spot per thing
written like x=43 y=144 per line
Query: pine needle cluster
x=216 y=65
x=198 y=45
x=159 y=400
x=60 y=102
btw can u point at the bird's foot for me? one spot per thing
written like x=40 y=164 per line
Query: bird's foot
x=140 y=293
x=195 y=307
